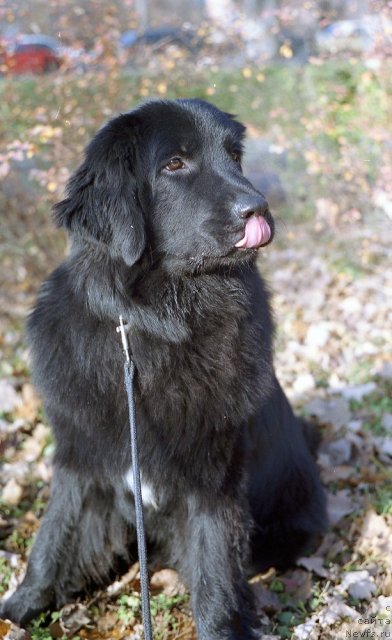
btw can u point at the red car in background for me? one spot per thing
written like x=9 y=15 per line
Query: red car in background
x=29 y=54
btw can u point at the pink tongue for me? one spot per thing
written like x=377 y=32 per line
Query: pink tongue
x=257 y=233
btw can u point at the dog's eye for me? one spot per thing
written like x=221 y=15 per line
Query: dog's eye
x=236 y=156
x=175 y=164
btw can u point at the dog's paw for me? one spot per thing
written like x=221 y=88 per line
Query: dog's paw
x=25 y=604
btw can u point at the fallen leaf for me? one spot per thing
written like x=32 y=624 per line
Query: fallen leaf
x=303 y=383
x=167 y=582
x=126 y=579
x=10 y=631
x=72 y=618
x=335 y=411
x=385 y=370
x=375 y=537
x=335 y=610
x=339 y=505
x=266 y=600
x=331 y=474
x=33 y=446
x=12 y=492
x=107 y=622
x=298 y=585
x=29 y=403
x=44 y=470
x=383 y=447
x=354 y=425
x=306 y=631
x=11 y=427
x=9 y=399
x=359 y=584
x=339 y=451
x=314 y=564
x=386 y=422
x=383 y=605
x=358 y=392
x=318 y=334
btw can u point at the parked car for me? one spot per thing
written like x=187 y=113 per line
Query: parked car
x=30 y=54
x=160 y=38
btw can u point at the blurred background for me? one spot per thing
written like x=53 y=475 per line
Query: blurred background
x=311 y=80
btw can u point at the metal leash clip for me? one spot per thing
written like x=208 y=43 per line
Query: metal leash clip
x=122 y=329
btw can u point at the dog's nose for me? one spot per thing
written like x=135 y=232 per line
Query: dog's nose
x=251 y=205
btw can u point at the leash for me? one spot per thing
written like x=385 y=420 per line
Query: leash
x=129 y=374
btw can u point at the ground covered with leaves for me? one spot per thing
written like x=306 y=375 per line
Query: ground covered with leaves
x=322 y=131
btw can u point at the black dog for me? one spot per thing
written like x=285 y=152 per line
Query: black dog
x=165 y=231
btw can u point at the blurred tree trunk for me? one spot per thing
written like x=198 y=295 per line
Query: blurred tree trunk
x=142 y=10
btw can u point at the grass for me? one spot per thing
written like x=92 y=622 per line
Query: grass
x=39 y=630
x=330 y=121
x=5 y=575
x=373 y=406
x=164 y=612
x=382 y=498
x=129 y=608
x=318 y=112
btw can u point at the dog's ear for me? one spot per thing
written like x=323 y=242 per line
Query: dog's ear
x=101 y=200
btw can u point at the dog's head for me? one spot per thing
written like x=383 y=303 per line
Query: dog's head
x=166 y=179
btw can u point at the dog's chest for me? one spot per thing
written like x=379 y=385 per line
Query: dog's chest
x=193 y=396
x=216 y=377
x=149 y=497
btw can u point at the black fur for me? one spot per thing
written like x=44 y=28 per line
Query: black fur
x=235 y=487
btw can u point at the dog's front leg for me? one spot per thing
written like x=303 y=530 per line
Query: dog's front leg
x=38 y=589
x=222 y=602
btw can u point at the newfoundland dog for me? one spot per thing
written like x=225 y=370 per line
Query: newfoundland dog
x=165 y=231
